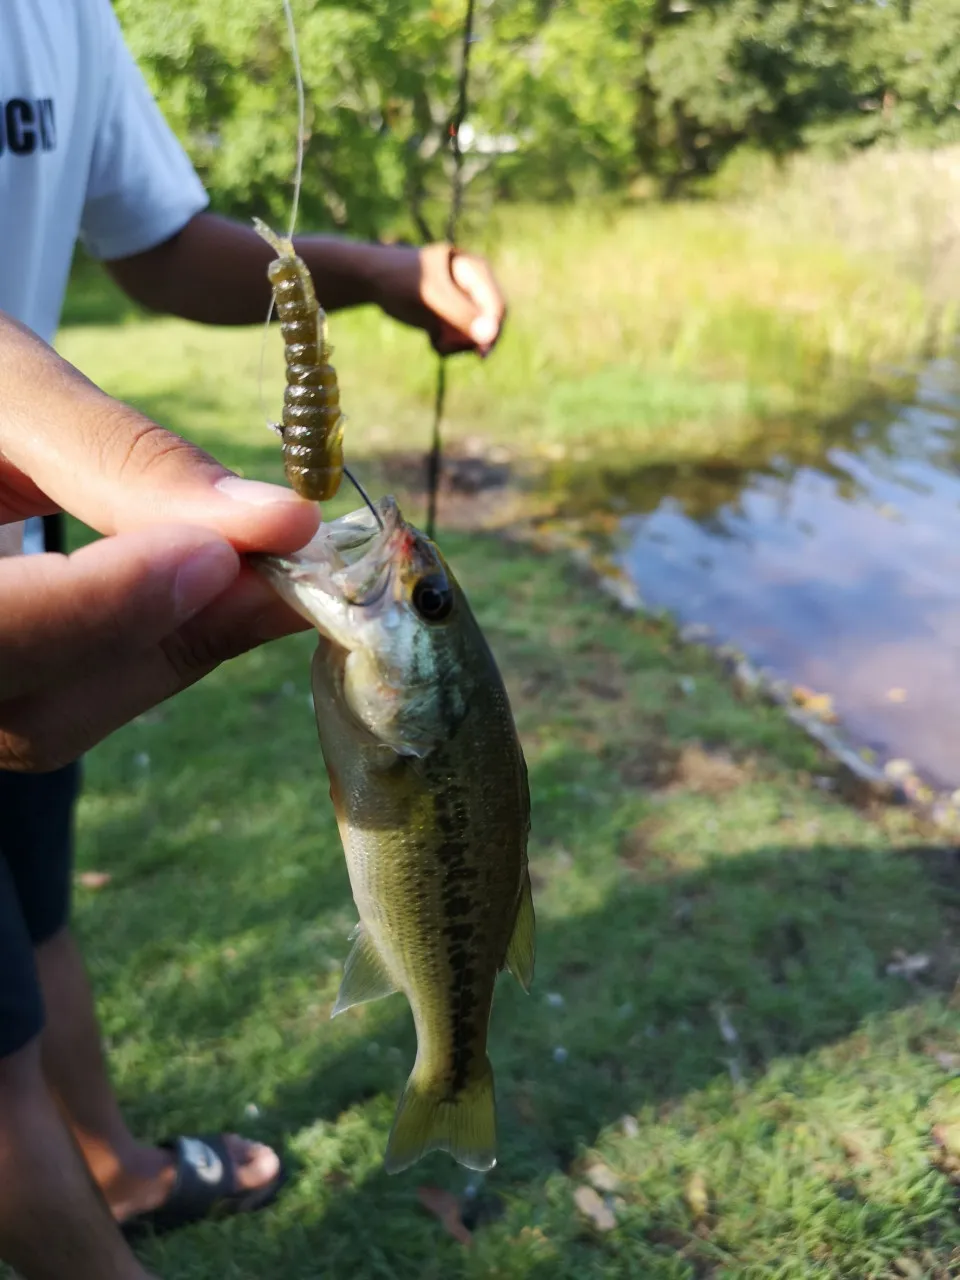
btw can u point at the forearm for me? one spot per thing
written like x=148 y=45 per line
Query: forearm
x=215 y=272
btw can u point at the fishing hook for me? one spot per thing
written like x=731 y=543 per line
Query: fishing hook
x=364 y=495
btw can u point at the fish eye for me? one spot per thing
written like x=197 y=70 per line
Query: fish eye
x=433 y=598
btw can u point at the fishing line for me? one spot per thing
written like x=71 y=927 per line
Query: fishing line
x=301 y=115
x=295 y=206
x=297 y=184
x=364 y=495
x=435 y=457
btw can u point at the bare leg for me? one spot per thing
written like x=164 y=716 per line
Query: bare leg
x=134 y=1178
x=53 y=1222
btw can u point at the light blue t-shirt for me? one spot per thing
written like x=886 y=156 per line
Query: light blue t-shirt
x=85 y=153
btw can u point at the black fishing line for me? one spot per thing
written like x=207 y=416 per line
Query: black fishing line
x=435 y=457
x=364 y=495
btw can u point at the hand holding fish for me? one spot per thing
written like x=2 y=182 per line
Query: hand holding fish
x=91 y=640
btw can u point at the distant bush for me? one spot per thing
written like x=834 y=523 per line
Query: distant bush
x=568 y=100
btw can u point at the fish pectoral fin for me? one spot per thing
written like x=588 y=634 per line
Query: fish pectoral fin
x=521 y=949
x=427 y=1119
x=365 y=976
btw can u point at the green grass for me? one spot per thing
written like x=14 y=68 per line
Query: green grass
x=671 y=879
x=712 y=1006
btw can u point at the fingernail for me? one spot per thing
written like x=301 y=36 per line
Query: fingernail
x=483 y=330
x=256 y=493
x=200 y=579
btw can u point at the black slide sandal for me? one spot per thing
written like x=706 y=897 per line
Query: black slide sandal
x=204 y=1189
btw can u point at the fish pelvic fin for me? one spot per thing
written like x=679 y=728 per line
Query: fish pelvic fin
x=521 y=949
x=365 y=976
x=428 y=1119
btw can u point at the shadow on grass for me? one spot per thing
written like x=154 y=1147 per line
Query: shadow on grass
x=793 y=943
x=797 y=965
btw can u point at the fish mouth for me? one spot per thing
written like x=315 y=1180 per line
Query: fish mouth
x=349 y=563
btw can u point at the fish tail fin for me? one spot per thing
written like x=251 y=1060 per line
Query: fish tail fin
x=428 y=1119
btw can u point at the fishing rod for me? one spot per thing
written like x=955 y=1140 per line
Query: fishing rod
x=435 y=457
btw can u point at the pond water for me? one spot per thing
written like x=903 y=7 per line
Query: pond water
x=840 y=573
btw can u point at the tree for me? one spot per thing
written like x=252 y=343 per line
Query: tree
x=588 y=95
x=917 y=59
x=379 y=82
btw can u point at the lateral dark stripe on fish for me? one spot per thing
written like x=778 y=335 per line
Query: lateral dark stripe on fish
x=450 y=813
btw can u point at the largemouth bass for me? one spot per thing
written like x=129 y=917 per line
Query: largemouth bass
x=429 y=786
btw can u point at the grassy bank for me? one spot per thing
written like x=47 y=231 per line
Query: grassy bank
x=713 y=1014
x=723 y=1042
x=689 y=332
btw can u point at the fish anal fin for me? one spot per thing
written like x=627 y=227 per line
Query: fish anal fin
x=521 y=949
x=365 y=976
x=427 y=1119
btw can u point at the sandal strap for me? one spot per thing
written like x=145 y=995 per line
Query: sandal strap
x=205 y=1186
x=204 y=1177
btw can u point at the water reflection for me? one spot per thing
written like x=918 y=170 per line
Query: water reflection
x=834 y=562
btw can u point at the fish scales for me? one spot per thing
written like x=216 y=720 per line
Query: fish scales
x=431 y=845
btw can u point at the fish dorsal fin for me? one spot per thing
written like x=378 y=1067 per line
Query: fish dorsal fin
x=521 y=949
x=365 y=976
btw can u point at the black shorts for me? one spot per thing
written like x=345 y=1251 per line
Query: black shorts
x=36 y=867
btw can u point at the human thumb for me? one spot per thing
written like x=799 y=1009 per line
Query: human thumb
x=115 y=469
x=63 y=616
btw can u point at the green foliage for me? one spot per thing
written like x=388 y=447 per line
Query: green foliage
x=919 y=71
x=569 y=99
x=379 y=83
x=753 y=72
